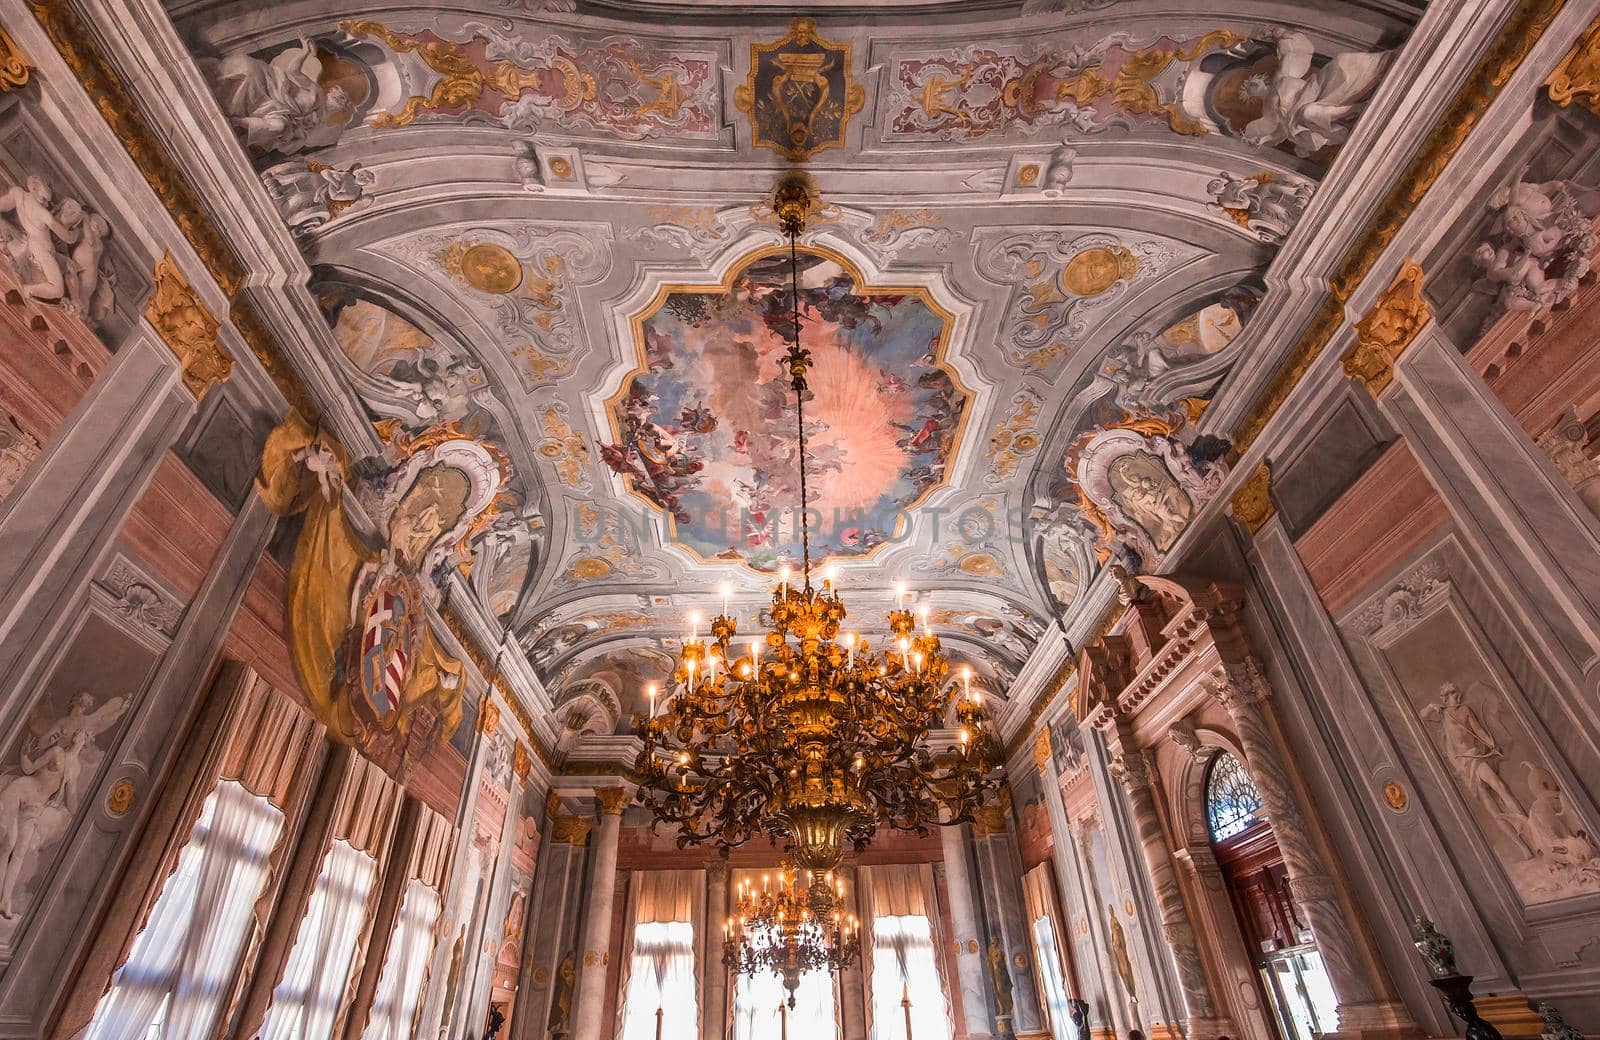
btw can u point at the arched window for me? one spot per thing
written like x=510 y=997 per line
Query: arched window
x=1232 y=801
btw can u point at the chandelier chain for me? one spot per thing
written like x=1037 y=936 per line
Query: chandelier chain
x=798 y=363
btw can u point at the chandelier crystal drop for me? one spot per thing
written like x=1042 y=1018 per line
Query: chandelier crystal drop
x=808 y=733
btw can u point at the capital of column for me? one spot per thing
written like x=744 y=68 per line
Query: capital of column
x=1131 y=768
x=716 y=871
x=612 y=800
x=1177 y=933
x=570 y=830
x=1239 y=688
x=1312 y=888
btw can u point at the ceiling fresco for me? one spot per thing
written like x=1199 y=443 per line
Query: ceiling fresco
x=1043 y=242
x=706 y=431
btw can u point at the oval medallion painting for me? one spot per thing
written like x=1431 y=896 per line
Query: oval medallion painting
x=705 y=429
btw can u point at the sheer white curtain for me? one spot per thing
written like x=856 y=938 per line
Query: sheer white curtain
x=307 y=998
x=394 y=1005
x=178 y=970
x=660 y=966
x=1038 y=889
x=903 y=959
x=756 y=1000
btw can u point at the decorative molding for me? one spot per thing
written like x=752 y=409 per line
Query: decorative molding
x=521 y=762
x=15 y=72
x=1041 y=749
x=1522 y=30
x=187 y=328
x=1388 y=329
x=1577 y=78
x=1252 y=503
x=1390 y=614
x=137 y=596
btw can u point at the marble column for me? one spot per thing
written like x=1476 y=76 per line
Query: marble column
x=852 y=981
x=549 y=950
x=1200 y=1010
x=589 y=1010
x=964 y=922
x=1010 y=937
x=713 y=1012
x=1243 y=694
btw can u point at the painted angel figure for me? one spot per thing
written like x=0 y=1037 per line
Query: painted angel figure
x=1310 y=108
x=47 y=781
x=278 y=105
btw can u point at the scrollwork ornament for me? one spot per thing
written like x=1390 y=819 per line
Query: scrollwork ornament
x=15 y=72
x=1577 y=78
x=187 y=328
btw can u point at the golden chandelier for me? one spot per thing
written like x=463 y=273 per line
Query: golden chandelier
x=805 y=734
x=773 y=929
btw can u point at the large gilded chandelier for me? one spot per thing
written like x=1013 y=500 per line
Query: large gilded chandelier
x=804 y=733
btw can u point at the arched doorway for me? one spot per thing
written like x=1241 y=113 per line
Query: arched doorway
x=1288 y=966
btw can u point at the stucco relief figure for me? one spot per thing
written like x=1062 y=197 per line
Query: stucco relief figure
x=309 y=194
x=1473 y=752
x=57 y=248
x=1144 y=489
x=1551 y=830
x=561 y=1002
x=39 y=796
x=1307 y=107
x=278 y=105
x=1119 y=952
x=1539 y=244
x=1000 y=978
x=1268 y=204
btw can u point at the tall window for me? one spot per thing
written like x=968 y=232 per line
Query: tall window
x=308 y=997
x=1232 y=801
x=394 y=1005
x=182 y=962
x=661 y=962
x=1039 y=893
x=904 y=963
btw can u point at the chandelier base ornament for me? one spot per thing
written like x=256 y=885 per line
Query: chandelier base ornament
x=806 y=733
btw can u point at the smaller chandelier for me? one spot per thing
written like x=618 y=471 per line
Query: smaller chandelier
x=774 y=929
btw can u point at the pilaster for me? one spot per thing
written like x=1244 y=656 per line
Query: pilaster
x=590 y=1009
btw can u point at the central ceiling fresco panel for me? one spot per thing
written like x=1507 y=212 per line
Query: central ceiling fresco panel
x=705 y=429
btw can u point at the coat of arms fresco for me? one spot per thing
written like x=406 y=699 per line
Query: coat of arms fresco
x=799 y=94
x=358 y=625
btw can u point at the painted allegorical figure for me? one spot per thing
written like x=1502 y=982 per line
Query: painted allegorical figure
x=358 y=626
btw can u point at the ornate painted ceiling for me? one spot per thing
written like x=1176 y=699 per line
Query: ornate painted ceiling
x=1043 y=232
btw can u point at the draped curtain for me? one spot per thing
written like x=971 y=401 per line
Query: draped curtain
x=1044 y=924
x=394 y=1005
x=756 y=999
x=659 y=966
x=307 y=998
x=179 y=969
x=903 y=960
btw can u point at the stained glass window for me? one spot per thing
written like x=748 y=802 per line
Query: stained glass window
x=1232 y=801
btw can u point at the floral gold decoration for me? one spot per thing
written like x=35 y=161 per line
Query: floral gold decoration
x=121 y=797
x=187 y=328
x=813 y=735
x=521 y=762
x=799 y=94
x=1041 y=748
x=1028 y=174
x=560 y=167
x=460 y=82
x=1521 y=31
x=488 y=713
x=1388 y=329
x=1252 y=503
x=564 y=448
x=1577 y=78
x=14 y=68
x=570 y=830
x=1395 y=795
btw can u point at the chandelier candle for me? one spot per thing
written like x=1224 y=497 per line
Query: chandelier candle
x=820 y=739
